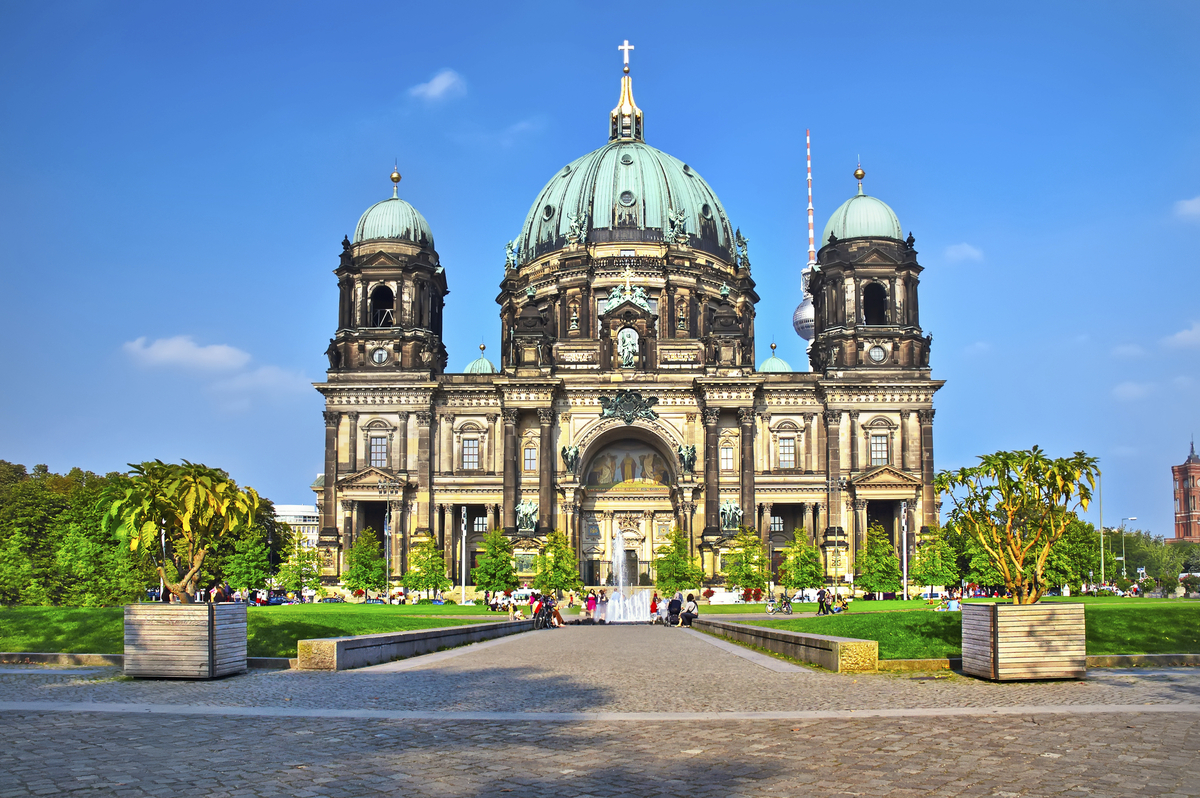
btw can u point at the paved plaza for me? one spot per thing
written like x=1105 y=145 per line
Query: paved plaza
x=597 y=711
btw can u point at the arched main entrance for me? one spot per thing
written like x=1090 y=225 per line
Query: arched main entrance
x=628 y=479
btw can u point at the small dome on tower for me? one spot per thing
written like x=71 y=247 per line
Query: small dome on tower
x=862 y=216
x=480 y=365
x=774 y=365
x=393 y=219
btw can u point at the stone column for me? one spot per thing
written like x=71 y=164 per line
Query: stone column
x=353 y=447
x=712 y=472
x=347 y=533
x=397 y=535
x=809 y=443
x=860 y=525
x=488 y=463
x=546 y=464
x=833 y=424
x=443 y=539
x=854 y=464
x=749 y=505
x=929 y=515
x=904 y=415
x=510 y=470
x=402 y=444
x=329 y=492
x=446 y=443
x=424 y=496
x=810 y=522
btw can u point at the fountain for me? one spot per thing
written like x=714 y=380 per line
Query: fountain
x=625 y=605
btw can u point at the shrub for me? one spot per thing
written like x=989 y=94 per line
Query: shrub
x=708 y=593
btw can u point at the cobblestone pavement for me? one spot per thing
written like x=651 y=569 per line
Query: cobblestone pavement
x=1068 y=748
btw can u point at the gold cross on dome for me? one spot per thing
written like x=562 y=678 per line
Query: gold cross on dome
x=625 y=48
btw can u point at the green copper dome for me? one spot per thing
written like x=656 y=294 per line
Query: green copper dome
x=480 y=365
x=396 y=220
x=775 y=365
x=626 y=191
x=863 y=216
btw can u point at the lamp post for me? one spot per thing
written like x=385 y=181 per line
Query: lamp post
x=1123 y=520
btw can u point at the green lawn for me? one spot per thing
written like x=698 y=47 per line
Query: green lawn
x=1132 y=627
x=272 y=631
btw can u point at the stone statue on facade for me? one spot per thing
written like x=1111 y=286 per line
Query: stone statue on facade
x=743 y=249
x=687 y=458
x=627 y=347
x=731 y=515
x=570 y=456
x=576 y=228
x=334 y=354
x=527 y=515
x=678 y=221
x=510 y=255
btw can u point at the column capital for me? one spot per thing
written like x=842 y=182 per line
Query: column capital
x=854 y=416
x=491 y=417
x=510 y=415
x=860 y=504
x=545 y=416
x=353 y=416
x=833 y=416
x=904 y=414
x=746 y=416
x=424 y=418
x=711 y=416
x=403 y=415
x=925 y=416
x=332 y=417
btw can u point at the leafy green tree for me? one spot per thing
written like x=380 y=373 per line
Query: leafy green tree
x=877 y=567
x=1017 y=505
x=802 y=566
x=426 y=568
x=556 y=567
x=16 y=569
x=936 y=563
x=1191 y=584
x=1166 y=562
x=365 y=566
x=175 y=514
x=96 y=573
x=674 y=571
x=748 y=563
x=495 y=570
x=249 y=567
x=301 y=570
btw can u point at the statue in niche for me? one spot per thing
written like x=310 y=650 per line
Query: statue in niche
x=426 y=355
x=687 y=458
x=574 y=322
x=527 y=515
x=627 y=347
x=510 y=255
x=570 y=456
x=334 y=354
x=683 y=321
x=731 y=515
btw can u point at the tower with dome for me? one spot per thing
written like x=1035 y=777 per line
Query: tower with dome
x=625 y=399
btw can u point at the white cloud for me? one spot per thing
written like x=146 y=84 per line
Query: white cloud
x=978 y=348
x=1132 y=391
x=264 y=379
x=1185 y=338
x=442 y=86
x=961 y=253
x=1128 y=350
x=1188 y=209
x=181 y=350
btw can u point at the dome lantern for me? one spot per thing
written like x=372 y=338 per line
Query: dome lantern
x=774 y=365
x=625 y=121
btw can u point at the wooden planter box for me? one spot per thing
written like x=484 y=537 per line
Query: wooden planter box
x=185 y=641
x=1009 y=642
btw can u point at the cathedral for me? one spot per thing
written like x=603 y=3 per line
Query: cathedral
x=625 y=400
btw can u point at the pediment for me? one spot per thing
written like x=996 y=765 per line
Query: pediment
x=369 y=477
x=381 y=258
x=885 y=476
x=628 y=310
x=875 y=256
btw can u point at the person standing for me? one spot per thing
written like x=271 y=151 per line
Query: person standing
x=822 y=595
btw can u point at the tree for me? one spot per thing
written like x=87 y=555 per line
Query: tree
x=495 y=570
x=174 y=514
x=1191 y=584
x=674 y=571
x=936 y=562
x=556 y=567
x=426 y=568
x=877 y=566
x=802 y=567
x=249 y=567
x=1166 y=561
x=365 y=566
x=748 y=564
x=1017 y=505
x=301 y=571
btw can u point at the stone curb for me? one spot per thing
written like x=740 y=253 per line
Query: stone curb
x=118 y=660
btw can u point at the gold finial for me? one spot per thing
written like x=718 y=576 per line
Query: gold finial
x=772 y=347
x=481 y=348
x=395 y=180
x=859 y=174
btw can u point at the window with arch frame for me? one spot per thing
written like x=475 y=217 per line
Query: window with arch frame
x=378 y=451
x=530 y=458
x=879 y=450
x=726 y=457
x=470 y=453
x=787 y=452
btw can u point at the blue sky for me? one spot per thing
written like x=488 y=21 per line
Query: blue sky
x=176 y=181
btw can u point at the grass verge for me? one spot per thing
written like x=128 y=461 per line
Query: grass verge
x=271 y=632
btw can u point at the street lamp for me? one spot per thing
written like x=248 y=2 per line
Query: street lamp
x=1123 y=520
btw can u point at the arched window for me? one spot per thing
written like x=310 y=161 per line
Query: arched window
x=383 y=303
x=874 y=304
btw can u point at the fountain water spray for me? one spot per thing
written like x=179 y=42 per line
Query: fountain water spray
x=625 y=605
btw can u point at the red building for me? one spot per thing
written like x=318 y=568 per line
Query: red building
x=1186 y=482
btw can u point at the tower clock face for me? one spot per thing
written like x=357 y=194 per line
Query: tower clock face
x=877 y=354
x=379 y=356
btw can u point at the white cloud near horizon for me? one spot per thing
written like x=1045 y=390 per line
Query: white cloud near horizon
x=445 y=84
x=1185 y=338
x=1131 y=391
x=962 y=253
x=1188 y=209
x=183 y=351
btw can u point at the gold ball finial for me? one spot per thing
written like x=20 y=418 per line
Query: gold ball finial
x=481 y=348
x=859 y=174
x=626 y=70
x=395 y=176
x=772 y=347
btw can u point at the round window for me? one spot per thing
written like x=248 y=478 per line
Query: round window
x=627 y=159
x=548 y=212
x=626 y=198
x=706 y=211
x=379 y=356
x=877 y=354
x=567 y=169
